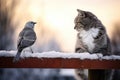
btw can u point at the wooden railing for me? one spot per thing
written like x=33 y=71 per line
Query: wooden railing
x=96 y=66
x=6 y=62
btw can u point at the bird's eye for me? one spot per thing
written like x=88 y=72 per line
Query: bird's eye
x=33 y=22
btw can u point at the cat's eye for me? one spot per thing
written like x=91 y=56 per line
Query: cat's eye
x=81 y=26
x=82 y=15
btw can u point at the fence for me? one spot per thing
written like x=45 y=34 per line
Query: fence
x=96 y=66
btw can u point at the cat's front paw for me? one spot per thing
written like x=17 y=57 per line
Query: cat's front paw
x=99 y=56
x=79 y=50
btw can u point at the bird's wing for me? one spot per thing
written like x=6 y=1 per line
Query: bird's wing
x=20 y=38
x=26 y=38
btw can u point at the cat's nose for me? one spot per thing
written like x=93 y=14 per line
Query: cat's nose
x=75 y=27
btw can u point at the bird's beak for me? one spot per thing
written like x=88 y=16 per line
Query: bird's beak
x=34 y=22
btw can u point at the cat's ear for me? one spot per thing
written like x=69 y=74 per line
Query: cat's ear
x=80 y=13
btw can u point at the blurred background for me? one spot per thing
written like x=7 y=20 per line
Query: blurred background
x=54 y=29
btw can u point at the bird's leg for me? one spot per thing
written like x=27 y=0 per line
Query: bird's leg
x=31 y=49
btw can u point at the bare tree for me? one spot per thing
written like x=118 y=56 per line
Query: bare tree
x=7 y=11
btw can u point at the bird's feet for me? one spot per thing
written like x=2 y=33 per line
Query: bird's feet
x=15 y=60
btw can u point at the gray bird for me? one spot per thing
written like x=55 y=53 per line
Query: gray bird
x=26 y=38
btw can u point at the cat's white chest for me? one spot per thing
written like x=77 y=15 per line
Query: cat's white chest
x=88 y=37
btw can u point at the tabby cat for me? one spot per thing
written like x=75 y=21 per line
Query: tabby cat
x=91 y=37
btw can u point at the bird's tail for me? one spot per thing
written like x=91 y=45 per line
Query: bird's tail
x=17 y=57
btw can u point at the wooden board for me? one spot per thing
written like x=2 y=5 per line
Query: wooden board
x=6 y=62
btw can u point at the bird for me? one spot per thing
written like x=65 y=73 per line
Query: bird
x=26 y=38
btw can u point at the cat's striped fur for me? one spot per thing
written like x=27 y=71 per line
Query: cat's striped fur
x=91 y=37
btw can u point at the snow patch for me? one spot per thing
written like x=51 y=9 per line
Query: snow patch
x=54 y=54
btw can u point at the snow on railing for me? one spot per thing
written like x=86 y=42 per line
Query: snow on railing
x=54 y=54
x=54 y=59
